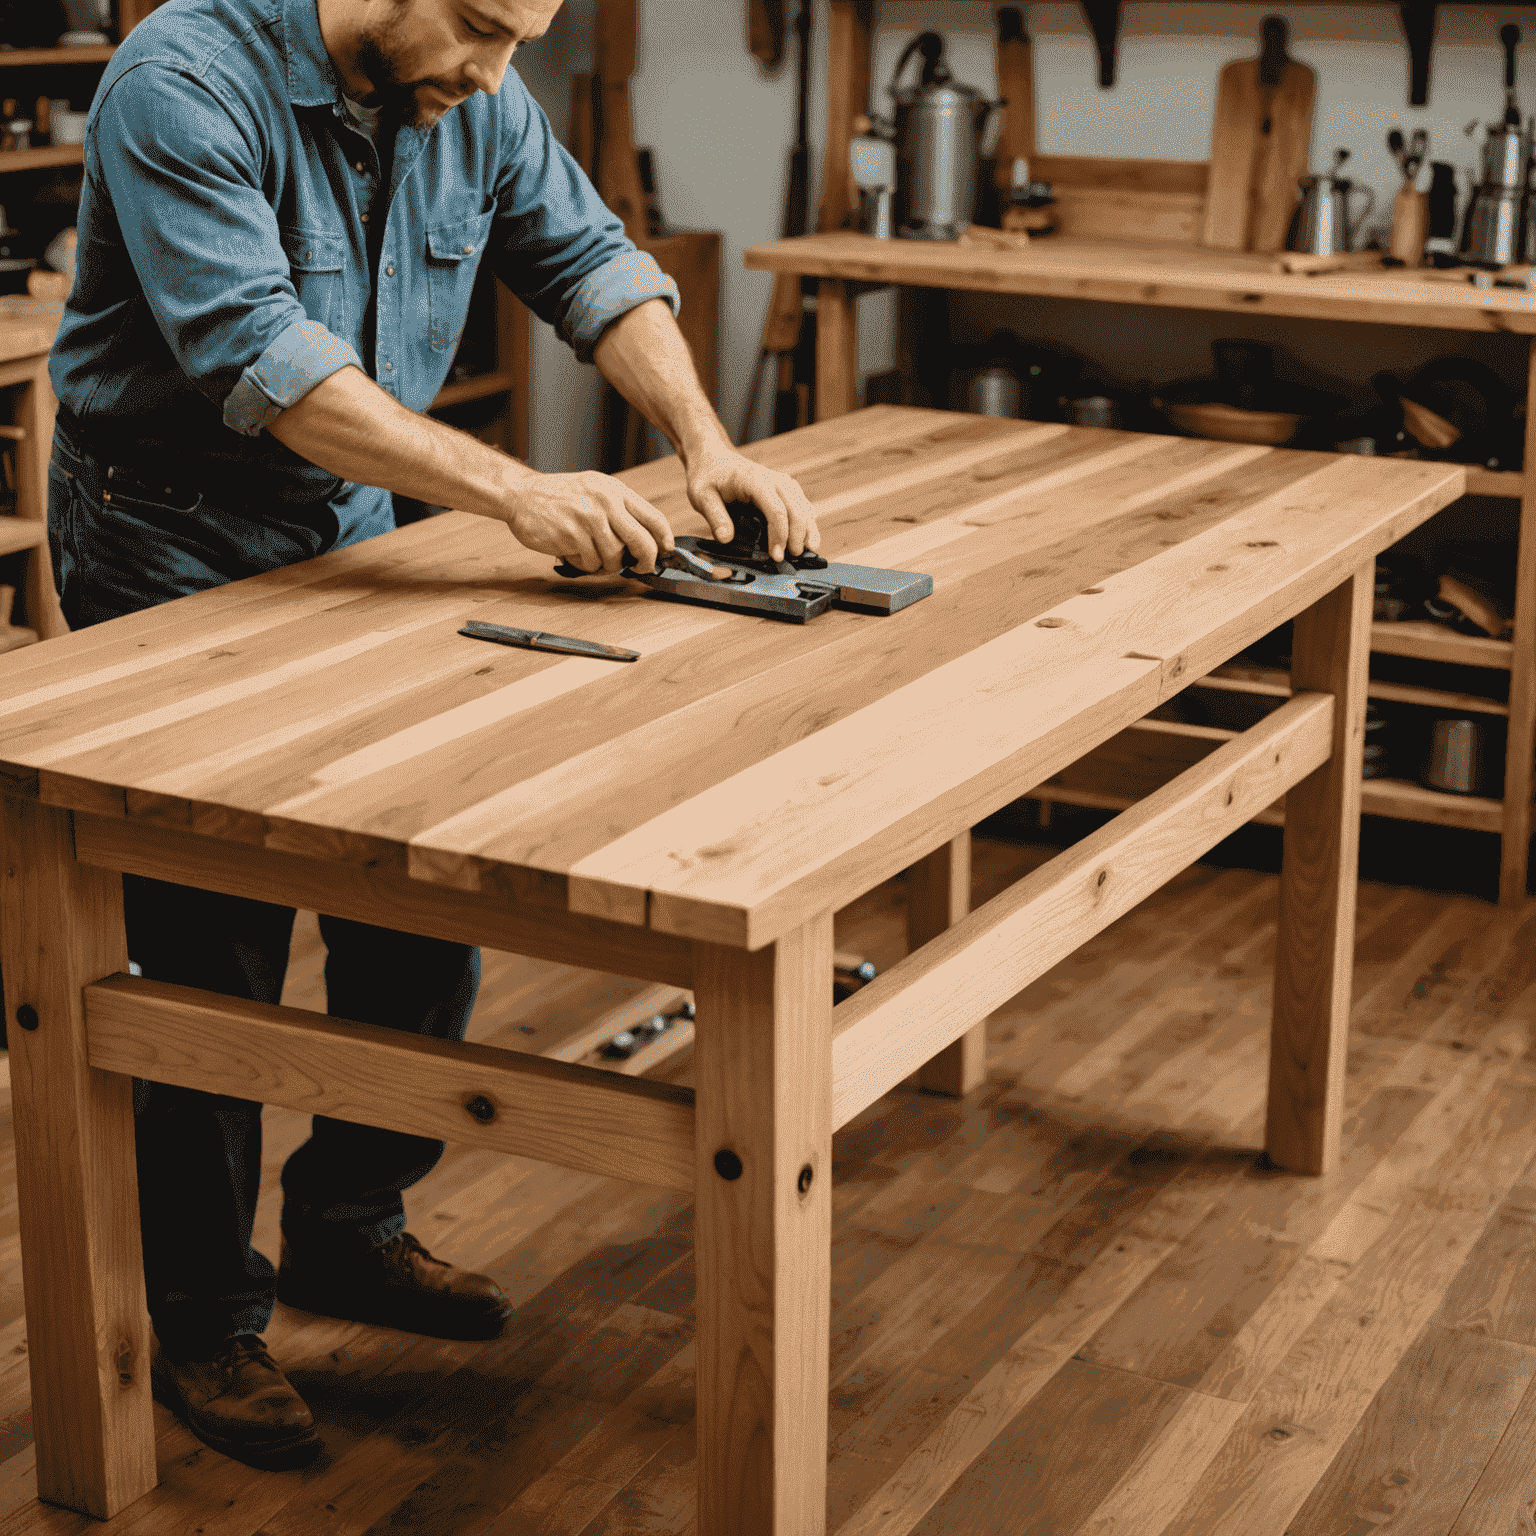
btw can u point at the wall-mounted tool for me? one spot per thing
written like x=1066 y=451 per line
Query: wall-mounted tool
x=1103 y=18
x=798 y=589
x=1418 y=18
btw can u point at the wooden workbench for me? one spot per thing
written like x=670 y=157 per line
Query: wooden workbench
x=322 y=736
x=1186 y=277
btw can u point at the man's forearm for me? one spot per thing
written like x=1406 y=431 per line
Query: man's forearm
x=643 y=355
x=354 y=429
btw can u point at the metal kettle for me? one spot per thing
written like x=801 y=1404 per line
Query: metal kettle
x=1321 y=223
x=938 y=130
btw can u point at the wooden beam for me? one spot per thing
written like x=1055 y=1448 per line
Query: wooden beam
x=76 y=1189
x=938 y=897
x=763 y=1234
x=386 y=897
x=837 y=351
x=1315 y=950
x=1515 y=847
x=905 y=1017
x=576 y=1117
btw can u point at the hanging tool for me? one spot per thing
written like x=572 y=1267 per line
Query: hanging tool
x=765 y=32
x=789 y=330
x=1103 y=18
x=1259 y=144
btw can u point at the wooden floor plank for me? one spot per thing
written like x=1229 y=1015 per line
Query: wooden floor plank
x=1413 y=1459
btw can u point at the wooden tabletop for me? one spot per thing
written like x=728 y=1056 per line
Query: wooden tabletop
x=746 y=771
x=1176 y=277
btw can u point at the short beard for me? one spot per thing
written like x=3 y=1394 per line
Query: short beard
x=400 y=99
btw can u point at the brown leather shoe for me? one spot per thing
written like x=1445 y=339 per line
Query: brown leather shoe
x=240 y=1403
x=399 y=1285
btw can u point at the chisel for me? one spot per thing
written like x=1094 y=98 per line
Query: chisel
x=537 y=640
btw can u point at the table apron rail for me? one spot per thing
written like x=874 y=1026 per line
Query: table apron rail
x=386 y=897
x=906 y=1016
x=578 y=1117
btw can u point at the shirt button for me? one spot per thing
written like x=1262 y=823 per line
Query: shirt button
x=389 y=367
x=361 y=166
x=389 y=271
x=365 y=218
x=469 y=250
x=309 y=255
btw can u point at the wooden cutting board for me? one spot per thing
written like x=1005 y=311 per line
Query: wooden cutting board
x=1259 y=147
x=1016 y=85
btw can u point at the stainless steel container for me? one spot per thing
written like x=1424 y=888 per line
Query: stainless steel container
x=938 y=146
x=1505 y=151
x=1094 y=411
x=1455 y=757
x=994 y=392
x=875 y=213
x=1495 y=232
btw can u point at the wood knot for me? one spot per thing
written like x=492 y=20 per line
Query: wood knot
x=480 y=1108
x=1050 y=623
x=123 y=1362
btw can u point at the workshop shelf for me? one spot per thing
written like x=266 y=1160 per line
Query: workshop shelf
x=95 y=53
x=1494 y=482
x=1276 y=684
x=1434 y=642
x=18 y=533
x=40 y=159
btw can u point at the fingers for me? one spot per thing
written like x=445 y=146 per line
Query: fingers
x=636 y=536
x=711 y=508
x=803 y=532
x=657 y=530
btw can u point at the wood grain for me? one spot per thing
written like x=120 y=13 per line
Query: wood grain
x=61 y=927
x=1518 y=768
x=938 y=897
x=1330 y=652
x=763 y=1208
x=837 y=357
x=577 y=1117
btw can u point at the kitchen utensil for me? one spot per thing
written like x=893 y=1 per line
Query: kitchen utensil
x=1259 y=142
x=536 y=640
x=1455 y=757
x=67 y=127
x=1016 y=86
x=1321 y=223
x=1094 y=411
x=1410 y=207
x=1231 y=424
x=994 y=391
x=937 y=130
x=876 y=211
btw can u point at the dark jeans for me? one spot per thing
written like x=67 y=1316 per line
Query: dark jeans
x=199 y=1154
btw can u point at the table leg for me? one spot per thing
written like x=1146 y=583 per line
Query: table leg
x=1314 y=959
x=61 y=927
x=1515 y=838
x=938 y=896
x=837 y=350
x=763 y=1233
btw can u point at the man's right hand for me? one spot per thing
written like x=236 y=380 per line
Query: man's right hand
x=589 y=519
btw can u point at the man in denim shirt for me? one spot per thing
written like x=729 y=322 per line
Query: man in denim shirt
x=285 y=205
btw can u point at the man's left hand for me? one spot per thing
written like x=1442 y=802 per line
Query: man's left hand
x=720 y=474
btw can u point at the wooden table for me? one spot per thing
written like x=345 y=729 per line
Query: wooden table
x=322 y=736
x=1233 y=282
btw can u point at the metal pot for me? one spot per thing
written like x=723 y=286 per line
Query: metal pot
x=1455 y=757
x=1321 y=223
x=938 y=146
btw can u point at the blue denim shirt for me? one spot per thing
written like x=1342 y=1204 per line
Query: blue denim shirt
x=223 y=262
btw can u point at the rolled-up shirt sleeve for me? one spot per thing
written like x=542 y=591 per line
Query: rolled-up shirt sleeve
x=557 y=245
x=183 y=176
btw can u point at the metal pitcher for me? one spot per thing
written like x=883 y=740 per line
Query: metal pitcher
x=1321 y=223
x=938 y=146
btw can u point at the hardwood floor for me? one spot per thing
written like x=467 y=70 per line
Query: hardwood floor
x=1075 y=1302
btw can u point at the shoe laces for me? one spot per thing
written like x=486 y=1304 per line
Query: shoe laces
x=243 y=1347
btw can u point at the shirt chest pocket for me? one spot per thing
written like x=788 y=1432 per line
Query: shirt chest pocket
x=315 y=264
x=453 y=258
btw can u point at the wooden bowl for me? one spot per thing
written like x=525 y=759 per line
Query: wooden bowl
x=1230 y=425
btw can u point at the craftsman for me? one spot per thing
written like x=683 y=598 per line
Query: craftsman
x=285 y=204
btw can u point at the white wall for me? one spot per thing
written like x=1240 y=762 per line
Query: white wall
x=720 y=130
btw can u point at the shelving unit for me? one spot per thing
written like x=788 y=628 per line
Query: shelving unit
x=1172 y=276
x=41 y=158
x=96 y=53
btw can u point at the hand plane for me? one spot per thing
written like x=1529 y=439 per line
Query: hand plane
x=744 y=574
